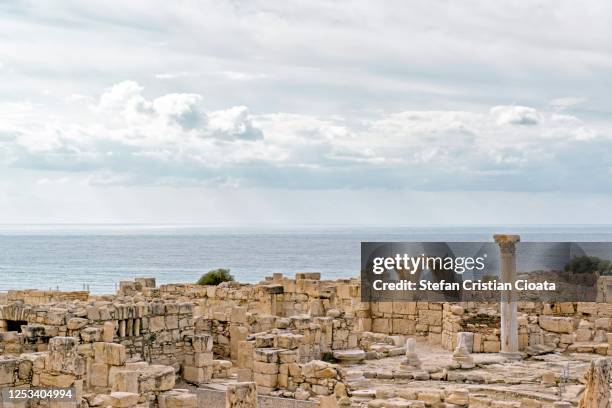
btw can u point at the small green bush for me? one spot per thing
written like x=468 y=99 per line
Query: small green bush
x=589 y=264
x=215 y=277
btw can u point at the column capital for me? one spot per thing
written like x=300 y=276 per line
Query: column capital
x=506 y=242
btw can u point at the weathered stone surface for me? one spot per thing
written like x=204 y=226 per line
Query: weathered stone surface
x=557 y=324
x=459 y=396
x=98 y=375
x=110 y=353
x=197 y=375
x=178 y=399
x=126 y=381
x=349 y=356
x=123 y=399
x=77 y=323
x=597 y=391
x=156 y=378
x=241 y=395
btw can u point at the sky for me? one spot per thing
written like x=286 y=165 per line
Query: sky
x=292 y=112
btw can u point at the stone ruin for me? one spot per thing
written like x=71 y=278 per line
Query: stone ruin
x=305 y=340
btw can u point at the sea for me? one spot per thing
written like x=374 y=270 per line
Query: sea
x=98 y=257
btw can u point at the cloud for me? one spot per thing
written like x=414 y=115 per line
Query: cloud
x=183 y=74
x=516 y=115
x=567 y=102
x=241 y=76
x=129 y=138
x=234 y=123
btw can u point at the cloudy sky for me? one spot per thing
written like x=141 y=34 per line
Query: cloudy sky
x=360 y=112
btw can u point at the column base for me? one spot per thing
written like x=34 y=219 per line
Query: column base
x=510 y=355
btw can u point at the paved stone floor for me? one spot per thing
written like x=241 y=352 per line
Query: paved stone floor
x=547 y=378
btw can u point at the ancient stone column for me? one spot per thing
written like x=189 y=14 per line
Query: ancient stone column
x=412 y=358
x=597 y=391
x=461 y=355
x=509 y=323
x=241 y=395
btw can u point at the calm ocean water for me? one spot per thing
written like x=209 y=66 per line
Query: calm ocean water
x=68 y=257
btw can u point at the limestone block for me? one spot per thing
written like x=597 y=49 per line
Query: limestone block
x=557 y=324
x=98 y=375
x=172 y=322
x=61 y=380
x=328 y=401
x=490 y=346
x=7 y=371
x=197 y=375
x=238 y=334
x=381 y=326
x=157 y=378
x=157 y=323
x=350 y=356
x=403 y=326
x=404 y=308
x=266 y=355
x=241 y=395
x=24 y=371
x=178 y=399
x=63 y=357
x=479 y=401
x=108 y=332
x=549 y=378
x=289 y=341
x=91 y=334
x=587 y=308
x=459 y=396
x=145 y=282
x=77 y=323
x=110 y=353
x=123 y=399
x=56 y=316
x=288 y=356
x=430 y=397
x=265 y=368
x=383 y=308
x=126 y=381
x=320 y=390
x=266 y=380
x=238 y=315
x=603 y=323
x=203 y=359
x=202 y=343
x=245 y=354
x=265 y=340
x=385 y=393
x=584 y=331
x=37 y=359
x=431 y=317
x=136 y=365
x=99 y=400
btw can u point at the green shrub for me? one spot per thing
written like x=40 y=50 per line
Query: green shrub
x=215 y=277
x=589 y=264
